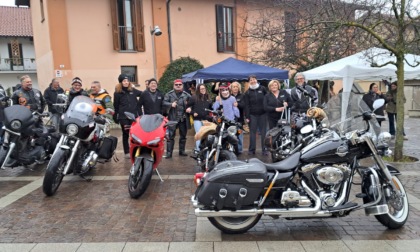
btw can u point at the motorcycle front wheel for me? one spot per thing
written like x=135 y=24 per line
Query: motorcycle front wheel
x=54 y=173
x=398 y=206
x=223 y=156
x=234 y=225
x=138 y=183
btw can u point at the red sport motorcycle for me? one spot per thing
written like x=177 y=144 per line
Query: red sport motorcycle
x=147 y=135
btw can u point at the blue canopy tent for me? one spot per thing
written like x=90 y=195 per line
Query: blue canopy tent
x=232 y=69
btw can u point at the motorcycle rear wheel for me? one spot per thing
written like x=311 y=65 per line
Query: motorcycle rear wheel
x=138 y=183
x=398 y=208
x=54 y=172
x=235 y=225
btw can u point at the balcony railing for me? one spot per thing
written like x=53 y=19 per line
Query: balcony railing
x=17 y=64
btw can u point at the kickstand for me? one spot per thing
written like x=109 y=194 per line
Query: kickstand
x=86 y=179
x=161 y=180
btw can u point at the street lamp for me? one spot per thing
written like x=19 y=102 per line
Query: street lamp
x=154 y=32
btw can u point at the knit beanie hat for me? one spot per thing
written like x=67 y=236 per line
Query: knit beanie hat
x=122 y=77
x=76 y=80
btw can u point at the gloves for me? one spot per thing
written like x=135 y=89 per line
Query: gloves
x=33 y=107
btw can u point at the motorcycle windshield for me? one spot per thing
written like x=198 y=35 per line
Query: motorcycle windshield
x=82 y=108
x=151 y=122
x=341 y=111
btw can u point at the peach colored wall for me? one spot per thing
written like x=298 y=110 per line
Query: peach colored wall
x=43 y=52
x=194 y=30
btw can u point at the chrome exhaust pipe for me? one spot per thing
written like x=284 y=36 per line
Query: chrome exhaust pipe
x=283 y=212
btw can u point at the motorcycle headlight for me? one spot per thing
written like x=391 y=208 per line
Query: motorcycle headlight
x=15 y=124
x=72 y=129
x=384 y=138
x=232 y=130
x=137 y=139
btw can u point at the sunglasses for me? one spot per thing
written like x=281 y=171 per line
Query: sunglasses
x=178 y=85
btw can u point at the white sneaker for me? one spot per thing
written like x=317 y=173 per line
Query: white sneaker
x=405 y=138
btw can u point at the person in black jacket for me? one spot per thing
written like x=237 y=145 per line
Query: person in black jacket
x=125 y=100
x=303 y=95
x=374 y=94
x=236 y=91
x=176 y=101
x=255 y=113
x=151 y=99
x=76 y=89
x=275 y=103
x=196 y=106
x=51 y=93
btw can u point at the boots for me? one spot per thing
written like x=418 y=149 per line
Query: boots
x=169 y=148
x=182 y=148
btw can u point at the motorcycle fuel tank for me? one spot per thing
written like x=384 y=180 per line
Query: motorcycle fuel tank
x=329 y=151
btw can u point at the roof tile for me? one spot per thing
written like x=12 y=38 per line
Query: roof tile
x=15 y=21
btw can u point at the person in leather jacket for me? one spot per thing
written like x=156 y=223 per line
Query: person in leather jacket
x=303 y=96
x=176 y=101
x=27 y=96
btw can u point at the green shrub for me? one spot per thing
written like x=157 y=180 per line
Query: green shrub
x=175 y=70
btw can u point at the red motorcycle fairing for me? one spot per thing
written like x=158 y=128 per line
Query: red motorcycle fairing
x=148 y=131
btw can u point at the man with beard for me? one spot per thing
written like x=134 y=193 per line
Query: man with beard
x=27 y=96
x=151 y=99
x=176 y=100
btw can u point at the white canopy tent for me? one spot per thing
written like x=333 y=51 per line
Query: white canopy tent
x=358 y=67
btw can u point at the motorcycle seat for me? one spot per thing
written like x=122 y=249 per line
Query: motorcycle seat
x=285 y=165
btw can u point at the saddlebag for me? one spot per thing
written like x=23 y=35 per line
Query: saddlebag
x=108 y=147
x=232 y=185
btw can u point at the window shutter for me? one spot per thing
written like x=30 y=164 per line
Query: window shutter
x=220 y=32
x=138 y=26
x=115 y=31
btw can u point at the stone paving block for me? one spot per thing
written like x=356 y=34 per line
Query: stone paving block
x=146 y=247
x=405 y=245
x=191 y=247
x=62 y=247
x=101 y=247
x=235 y=246
x=412 y=199
x=368 y=246
x=324 y=246
x=416 y=206
x=205 y=231
x=278 y=246
x=21 y=247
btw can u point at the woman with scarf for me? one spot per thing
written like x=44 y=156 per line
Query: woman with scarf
x=255 y=113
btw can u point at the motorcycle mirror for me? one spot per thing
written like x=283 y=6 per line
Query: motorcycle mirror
x=130 y=116
x=378 y=103
x=306 y=129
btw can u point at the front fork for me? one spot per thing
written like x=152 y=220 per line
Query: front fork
x=381 y=163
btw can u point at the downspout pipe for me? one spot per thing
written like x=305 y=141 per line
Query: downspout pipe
x=168 y=17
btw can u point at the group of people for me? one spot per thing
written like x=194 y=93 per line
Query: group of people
x=257 y=106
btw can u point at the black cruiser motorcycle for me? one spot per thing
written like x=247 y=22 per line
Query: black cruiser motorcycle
x=313 y=183
x=81 y=145
x=219 y=140
x=26 y=140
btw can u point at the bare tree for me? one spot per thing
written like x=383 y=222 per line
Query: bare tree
x=302 y=34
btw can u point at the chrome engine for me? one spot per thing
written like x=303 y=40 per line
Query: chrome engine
x=89 y=161
x=326 y=180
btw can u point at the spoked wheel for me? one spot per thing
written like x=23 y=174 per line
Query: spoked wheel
x=54 y=173
x=139 y=178
x=234 y=225
x=397 y=202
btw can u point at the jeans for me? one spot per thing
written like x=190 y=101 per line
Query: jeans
x=197 y=125
x=392 y=118
x=257 y=122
